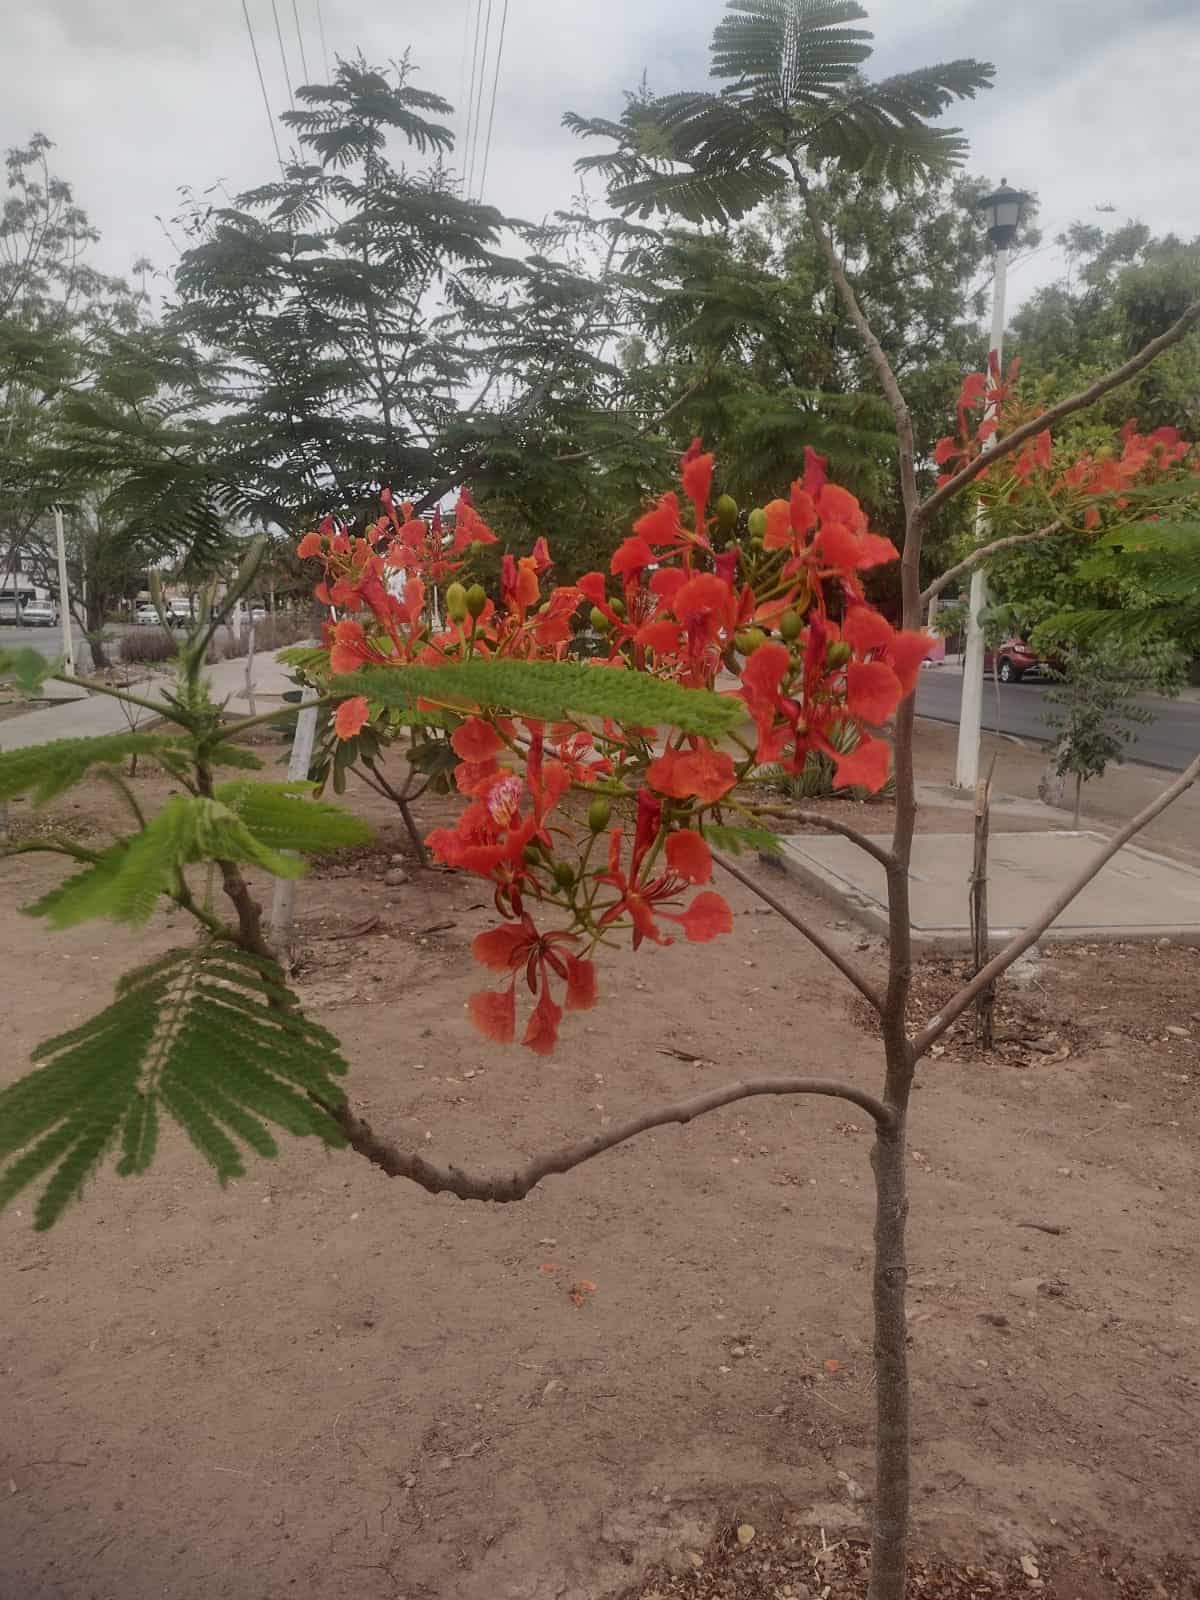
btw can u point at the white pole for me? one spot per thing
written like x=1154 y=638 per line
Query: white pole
x=970 y=721
x=64 y=596
x=283 y=906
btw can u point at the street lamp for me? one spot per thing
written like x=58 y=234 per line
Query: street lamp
x=1002 y=211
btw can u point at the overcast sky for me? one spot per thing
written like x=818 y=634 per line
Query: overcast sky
x=1096 y=102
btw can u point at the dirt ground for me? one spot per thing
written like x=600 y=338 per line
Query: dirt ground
x=319 y=1382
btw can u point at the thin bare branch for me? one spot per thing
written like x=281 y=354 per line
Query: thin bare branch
x=985 y=552
x=831 y=825
x=875 y=351
x=1065 y=408
x=847 y=969
x=1017 y=946
x=505 y=1188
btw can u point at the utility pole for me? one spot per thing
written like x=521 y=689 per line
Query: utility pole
x=64 y=595
x=1003 y=210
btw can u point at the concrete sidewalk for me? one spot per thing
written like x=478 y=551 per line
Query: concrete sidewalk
x=1137 y=895
x=95 y=714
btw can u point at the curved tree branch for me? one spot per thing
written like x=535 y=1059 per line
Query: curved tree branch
x=1065 y=408
x=1017 y=946
x=831 y=825
x=984 y=553
x=847 y=969
x=505 y=1188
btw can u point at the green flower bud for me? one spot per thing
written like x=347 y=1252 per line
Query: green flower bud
x=456 y=602
x=599 y=621
x=790 y=624
x=727 y=511
x=838 y=654
x=748 y=640
x=476 y=600
x=598 y=814
x=618 y=605
x=757 y=523
x=564 y=874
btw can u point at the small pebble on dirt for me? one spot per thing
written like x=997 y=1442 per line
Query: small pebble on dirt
x=395 y=877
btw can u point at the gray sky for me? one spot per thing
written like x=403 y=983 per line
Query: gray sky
x=1096 y=102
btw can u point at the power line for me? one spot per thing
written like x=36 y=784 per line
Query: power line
x=462 y=70
x=300 y=40
x=324 y=46
x=487 y=34
x=471 y=94
x=287 y=77
x=487 y=149
x=262 y=84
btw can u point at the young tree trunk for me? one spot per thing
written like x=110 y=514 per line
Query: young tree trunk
x=889 y=1529
x=1078 y=792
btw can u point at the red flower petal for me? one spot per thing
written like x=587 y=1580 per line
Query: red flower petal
x=501 y=948
x=494 y=1014
x=906 y=653
x=865 y=629
x=660 y=526
x=476 y=740
x=866 y=768
x=873 y=691
x=633 y=556
x=839 y=548
x=592 y=586
x=661 y=637
x=667 y=582
x=838 y=505
x=310 y=545
x=700 y=597
x=765 y=667
x=706 y=918
x=541 y=1035
x=351 y=717
x=706 y=774
x=814 y=470
x=779 y=525
x=803 y=511
x=689 y=856
x=696 y=478
x=581 y=983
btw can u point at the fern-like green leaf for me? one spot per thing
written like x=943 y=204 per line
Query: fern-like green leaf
x=44 y=770
x=724 y=837
x=29 y=667
x=210 y=1035
x=552 y=691
x=284 y=816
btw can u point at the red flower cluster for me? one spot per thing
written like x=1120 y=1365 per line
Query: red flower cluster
x=780 y=621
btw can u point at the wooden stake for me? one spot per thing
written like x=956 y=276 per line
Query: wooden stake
x=985 y=1004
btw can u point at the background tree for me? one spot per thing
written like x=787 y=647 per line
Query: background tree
x=1094 y=714
x=372 y=329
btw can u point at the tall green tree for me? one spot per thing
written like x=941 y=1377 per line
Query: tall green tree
x=797 y=123
x=374 y=329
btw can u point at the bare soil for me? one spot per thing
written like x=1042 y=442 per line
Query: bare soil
x=318 y=1382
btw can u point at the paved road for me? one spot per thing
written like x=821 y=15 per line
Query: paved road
x=1171 y=740
x=47 y=640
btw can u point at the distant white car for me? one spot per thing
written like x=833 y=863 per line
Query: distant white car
x=146 y=616
x=39 y=614
x=258 y=613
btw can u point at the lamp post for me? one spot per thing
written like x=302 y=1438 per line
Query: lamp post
x=1002 y=211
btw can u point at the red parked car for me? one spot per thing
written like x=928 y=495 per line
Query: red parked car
x=1014 y=660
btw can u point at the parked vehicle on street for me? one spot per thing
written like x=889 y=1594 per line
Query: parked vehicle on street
x=10 y=609
x=1013 y=660
x=39 y=614
x=146 y=616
